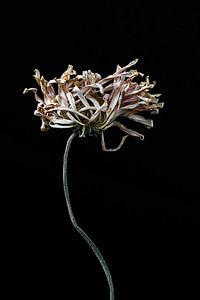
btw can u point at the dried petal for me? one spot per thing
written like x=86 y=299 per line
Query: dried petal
x=138 y=118
x=128 y=130
x=104 y=148
x=37 y=76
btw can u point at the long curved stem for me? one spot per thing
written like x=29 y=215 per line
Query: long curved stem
x=73 y=220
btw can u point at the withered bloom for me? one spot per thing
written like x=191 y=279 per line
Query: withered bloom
x=90 y=104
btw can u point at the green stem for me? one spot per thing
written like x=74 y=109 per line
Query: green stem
x=73 y=220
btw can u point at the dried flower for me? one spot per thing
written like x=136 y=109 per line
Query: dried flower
x=90 y=104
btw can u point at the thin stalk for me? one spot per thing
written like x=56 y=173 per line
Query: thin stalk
x=73 y=220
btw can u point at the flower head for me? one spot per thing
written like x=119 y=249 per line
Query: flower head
x=90 y=104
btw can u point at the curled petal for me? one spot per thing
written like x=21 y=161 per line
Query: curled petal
x=70 y=71
x=132 y=63
x=37 y=98
x=37 y=76
x=98 y=86
x=127 y=130
x=104 y=148
x=29 y=90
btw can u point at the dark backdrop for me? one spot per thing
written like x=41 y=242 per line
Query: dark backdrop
x=140 y=205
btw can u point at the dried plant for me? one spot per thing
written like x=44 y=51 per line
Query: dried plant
x=90 y=104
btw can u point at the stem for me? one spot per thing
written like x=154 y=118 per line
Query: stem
x=73 y=220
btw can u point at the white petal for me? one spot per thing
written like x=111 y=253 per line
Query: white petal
x=60 y=108
x=81 y=96
x=115 y=97
x=97 y=112
x=93 y=100
x=74 y=120
x=71 y=100
x=87 y=108
x=62 y=121
x=61 y=126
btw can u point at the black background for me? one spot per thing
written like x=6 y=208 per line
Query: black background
x=140 y=205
